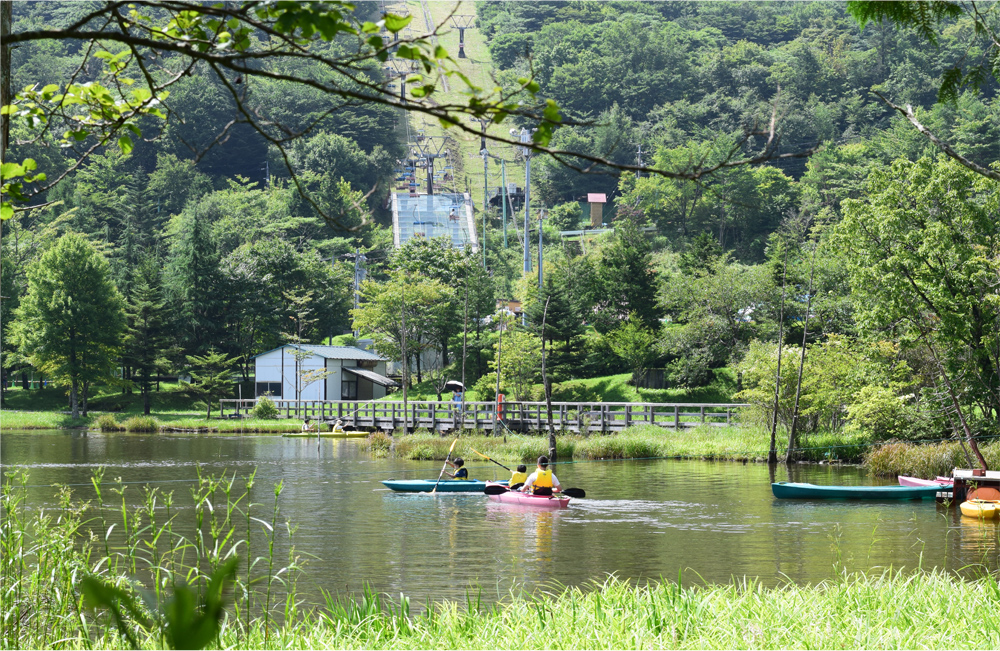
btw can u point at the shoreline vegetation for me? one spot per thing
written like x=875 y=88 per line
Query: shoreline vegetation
x=69 y=588
x=745 y=443
x=176 y=413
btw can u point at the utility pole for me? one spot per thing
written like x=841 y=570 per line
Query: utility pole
x=525 y=137
x=485 y=203
x=638 y=160
x=541 y=213
x=504 y=197
x=359 y=274
x=486 y=178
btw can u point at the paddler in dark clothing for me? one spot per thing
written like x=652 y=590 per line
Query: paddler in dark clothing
x=460 y=473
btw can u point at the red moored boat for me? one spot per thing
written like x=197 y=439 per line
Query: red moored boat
x=524 y=499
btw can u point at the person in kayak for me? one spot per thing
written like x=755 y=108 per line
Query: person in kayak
x=543 y=481
x=518 y=477
x=460 y=472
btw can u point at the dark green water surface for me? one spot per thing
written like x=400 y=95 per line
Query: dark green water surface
x=641 y=520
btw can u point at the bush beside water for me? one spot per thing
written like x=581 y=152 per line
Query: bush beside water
x=264 y=408
x=107 y=423
x=141 y=424
x=378 y=444
x=925 y=461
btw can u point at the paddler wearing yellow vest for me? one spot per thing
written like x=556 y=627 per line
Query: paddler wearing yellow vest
x=543 y=481
x=518 y=477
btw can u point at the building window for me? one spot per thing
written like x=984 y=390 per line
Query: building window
x=349 y=390
x=272 y=389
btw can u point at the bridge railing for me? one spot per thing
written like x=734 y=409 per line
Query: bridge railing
x=448 y=415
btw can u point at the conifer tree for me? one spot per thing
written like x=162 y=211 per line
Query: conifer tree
x=195 y=285
x=147 y=328
x=211 y=376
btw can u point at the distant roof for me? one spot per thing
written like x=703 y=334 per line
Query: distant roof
x=373 y=376
x=331 y=352
x=593 y=197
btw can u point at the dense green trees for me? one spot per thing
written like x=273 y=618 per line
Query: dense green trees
x=923 y=268
x=885 y=250
x=71 y=319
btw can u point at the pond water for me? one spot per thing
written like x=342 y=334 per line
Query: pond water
x=641 y=520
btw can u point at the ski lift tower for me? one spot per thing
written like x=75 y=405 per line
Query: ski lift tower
x=430 y=148
x=401 y=68
x=462 y=23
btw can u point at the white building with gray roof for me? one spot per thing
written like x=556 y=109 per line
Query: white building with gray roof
x=323 y=373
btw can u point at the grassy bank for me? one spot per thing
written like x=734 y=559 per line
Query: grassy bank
x=642 y=442
x=928 y=460
x=60 y=585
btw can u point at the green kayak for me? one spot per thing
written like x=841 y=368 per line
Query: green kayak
x=793 y=490
x=444 y=486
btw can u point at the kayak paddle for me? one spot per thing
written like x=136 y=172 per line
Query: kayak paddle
x=495 y=489
x=446 y=459
x=488 y=459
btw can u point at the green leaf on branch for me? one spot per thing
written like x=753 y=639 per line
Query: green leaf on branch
x=395 y=23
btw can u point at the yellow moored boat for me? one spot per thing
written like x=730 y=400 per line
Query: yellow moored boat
x=980 y=509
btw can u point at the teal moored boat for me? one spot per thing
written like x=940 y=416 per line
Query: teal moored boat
x=444 y=486
x=793 y=490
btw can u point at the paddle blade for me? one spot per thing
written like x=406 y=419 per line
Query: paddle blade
x=495 y=489
x=574 y=492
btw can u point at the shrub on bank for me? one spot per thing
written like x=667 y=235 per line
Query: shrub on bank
x=925 y=461
x=378 y=444
x=141 y=424
x=107 y=423
x=264 y=409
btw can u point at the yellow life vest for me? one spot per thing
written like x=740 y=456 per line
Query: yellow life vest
x=518 y=478
x=543 y=478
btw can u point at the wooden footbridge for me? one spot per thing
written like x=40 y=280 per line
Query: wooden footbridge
x=585 y=417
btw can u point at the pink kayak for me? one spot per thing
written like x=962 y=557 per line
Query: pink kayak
x=537 y=501
x=916 y=481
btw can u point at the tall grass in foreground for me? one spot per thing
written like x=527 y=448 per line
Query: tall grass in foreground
x=891 y=610
x=47 y=556
x=152 y=579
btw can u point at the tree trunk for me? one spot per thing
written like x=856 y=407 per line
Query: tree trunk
x=793 y=434
x=406 y=359
x=465 y=336
x=73 y=403
x=6 y=20
x=86 y=390
x=145 y=398
x=420 y=373
x=548 y=388
x=772 y=455
x=958 y=408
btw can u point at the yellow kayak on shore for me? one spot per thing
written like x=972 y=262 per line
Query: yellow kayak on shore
x=980 y=509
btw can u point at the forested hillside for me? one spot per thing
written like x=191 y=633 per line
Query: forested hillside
x=865 y=244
